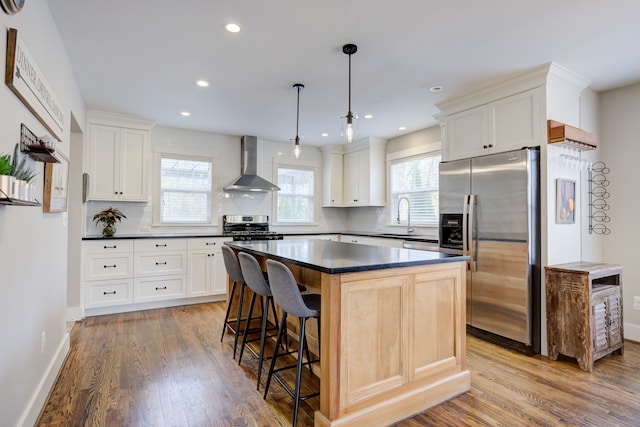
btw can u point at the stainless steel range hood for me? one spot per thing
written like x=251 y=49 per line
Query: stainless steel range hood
x=249 y=180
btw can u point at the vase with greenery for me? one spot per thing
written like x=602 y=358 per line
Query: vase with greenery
x=108 y=218
x=6 y=179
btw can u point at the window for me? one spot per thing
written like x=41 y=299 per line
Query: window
x=415 y=178
x=185 y=189
x=296 y=195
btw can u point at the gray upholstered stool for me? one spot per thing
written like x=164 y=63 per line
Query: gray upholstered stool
x=235 y=273
x=287 y=296
x=256 y=281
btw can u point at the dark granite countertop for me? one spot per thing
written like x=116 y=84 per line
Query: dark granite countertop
x=217 y=235
x=339 y=257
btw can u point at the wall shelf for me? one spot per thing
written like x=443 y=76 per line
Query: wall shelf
x=35 y=148
x=567 y=136
x=5 y=200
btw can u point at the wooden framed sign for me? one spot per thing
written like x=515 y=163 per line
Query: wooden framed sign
x=26 y=80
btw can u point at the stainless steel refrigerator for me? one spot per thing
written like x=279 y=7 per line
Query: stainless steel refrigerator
x=490 y=210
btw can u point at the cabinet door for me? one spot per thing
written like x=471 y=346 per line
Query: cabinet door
x=218 y=274
x=133 y=162
x=333 y=181
x=467 y=134
x=103 y=152
x=351 y=195
x=364 y=177
x=515 y=121
x=199 y=274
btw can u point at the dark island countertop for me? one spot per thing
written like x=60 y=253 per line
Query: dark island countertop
x=339 y=257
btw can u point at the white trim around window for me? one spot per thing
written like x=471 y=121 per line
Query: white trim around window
x=312 y=197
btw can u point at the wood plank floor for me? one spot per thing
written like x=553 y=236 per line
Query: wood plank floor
x=167 y=367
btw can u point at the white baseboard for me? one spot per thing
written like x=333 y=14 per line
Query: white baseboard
x=98 y=311
x=39 y=397
x=75 y=314
x=632 y=332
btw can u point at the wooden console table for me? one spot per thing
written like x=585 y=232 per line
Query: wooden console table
x=584 y=311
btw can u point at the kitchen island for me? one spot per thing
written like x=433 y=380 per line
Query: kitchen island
x=392 y=325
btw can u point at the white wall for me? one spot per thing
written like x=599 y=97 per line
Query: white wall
x=33 y=244
x=620 y=127
x=226 y=150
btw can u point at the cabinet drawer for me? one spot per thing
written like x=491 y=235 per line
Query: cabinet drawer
x=154 y=264
x=112 y=266
x=109 y=292
x=160 y=245
x=208 y=244
x=107 y=246
x=159 y=288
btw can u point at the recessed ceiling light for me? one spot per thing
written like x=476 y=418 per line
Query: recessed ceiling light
x=435 y=89
x=202 y=83
x=185 y=113
x=402 y=128
x=324 y=134
x=233 y=28
x=368 y=116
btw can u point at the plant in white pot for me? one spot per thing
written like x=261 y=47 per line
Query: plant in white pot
x=6 y=179
x=108 y=218
x=23 y=175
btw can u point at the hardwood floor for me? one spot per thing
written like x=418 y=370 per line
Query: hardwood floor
x=167 y=367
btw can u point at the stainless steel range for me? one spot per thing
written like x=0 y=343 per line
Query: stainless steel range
x=248 y=227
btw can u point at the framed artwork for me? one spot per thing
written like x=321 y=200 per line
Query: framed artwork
x=565 y=201
x=56 y=185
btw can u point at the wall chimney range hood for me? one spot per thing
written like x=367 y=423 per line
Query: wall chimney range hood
x=249 y=180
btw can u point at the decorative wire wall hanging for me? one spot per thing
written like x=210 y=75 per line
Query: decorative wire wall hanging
x=598 y=196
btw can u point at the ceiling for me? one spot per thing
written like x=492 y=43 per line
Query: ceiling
x=143 y=57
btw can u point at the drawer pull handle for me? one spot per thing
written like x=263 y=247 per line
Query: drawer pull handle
x=161 y=246
x=161 y=289
x=110 y=247
x=110 y=266
x=110 y=293
x=161 y=263
x=210 y=244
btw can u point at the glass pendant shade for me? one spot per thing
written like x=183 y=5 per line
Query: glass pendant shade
x=296 y=148
x=349 y=130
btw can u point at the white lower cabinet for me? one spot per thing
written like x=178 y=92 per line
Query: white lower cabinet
x=206 y=271
x=129 y=271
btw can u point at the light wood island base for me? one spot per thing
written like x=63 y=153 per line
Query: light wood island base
x=392 y=339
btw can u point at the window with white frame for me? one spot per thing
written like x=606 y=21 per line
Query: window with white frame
x=185 y=190
x=415 y=178
x=296 y=196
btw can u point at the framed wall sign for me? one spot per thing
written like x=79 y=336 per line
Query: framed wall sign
x=56 y=185
x=27 y=81
x=565 y=201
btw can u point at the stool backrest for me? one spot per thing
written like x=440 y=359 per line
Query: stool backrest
x=253 y=276
x=285 y=290
x=231 y=264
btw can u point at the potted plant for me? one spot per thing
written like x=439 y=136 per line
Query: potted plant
x=23 y=176
x=6 y=179
x=108 y=218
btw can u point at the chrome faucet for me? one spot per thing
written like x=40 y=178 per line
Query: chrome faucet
x=409 y=228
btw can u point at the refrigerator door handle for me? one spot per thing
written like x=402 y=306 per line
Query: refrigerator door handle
x=465 y=227
x=470 y=240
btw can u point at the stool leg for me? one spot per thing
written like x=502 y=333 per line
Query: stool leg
x=246 y=327
x=265 y=315
x=240 y=299
x=301 y=344
x=226 y=316
x=283 y=325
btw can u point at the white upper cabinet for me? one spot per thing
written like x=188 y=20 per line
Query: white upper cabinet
x=118 y=160
x=506 y=124
x=332 y=176
x=364 y=174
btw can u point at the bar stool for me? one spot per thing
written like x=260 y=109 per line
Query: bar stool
x=286 y=294
x=255 y=279
x=235 y=273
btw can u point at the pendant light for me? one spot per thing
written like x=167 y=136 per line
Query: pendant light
x=349 y=129
x=296 y=150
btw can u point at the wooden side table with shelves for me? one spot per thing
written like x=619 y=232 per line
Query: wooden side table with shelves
x=584 y=311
